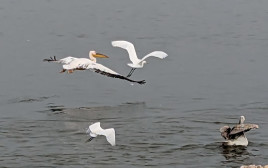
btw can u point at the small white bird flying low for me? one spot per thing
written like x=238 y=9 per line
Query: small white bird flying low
x=136 y=62
x=94 y=130
x=71 y=64
x=236 y=136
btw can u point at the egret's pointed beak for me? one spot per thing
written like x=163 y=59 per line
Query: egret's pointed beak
x=100 y=55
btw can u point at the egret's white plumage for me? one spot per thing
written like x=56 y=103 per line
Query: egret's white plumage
x=136 y=62
x=72 y=63
x=95 y=129
x=236 y=135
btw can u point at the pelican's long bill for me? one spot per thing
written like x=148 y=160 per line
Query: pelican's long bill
x=99 y=55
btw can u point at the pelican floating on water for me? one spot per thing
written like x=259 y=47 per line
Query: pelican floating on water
x=94 y=130
x=136 y=62
x=236 y=135
x=70 y=64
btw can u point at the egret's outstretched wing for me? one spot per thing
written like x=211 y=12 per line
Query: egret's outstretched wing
x=158 y=54
x=66 y=60
x=110 y=135
x=95 y=129
x=243 y=128
x=130 y=49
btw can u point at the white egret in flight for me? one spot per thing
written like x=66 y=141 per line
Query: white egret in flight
x=136 y=62
x=71 y=64
x=236 y=135
x=94 y=130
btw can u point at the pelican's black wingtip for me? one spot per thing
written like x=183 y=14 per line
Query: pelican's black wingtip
x=141 y=82
x=51 y=59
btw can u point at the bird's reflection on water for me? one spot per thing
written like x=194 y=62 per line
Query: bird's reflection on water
x=234 y=152
x=75 y=118
x=98 y=111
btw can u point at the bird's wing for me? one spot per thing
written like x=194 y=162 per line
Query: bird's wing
x=90 y=133
x=243 y=128
x=225 y=130
x=67 y=60
x=78 y=64
x=130 y=49
x=158 y=54
x=64 y=61
x=95 y=129
x=110 y=135
x=98 y=68
x=83 y=64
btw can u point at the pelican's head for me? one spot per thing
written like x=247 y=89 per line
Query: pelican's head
x=93 y=55
x=242 y=119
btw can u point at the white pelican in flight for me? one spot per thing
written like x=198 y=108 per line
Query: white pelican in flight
x=71 y=64
x=236 y=135
x=136 y=62
x=94 y=130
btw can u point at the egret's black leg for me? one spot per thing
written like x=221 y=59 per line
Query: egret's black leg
x=131 y=72
x=89 y=139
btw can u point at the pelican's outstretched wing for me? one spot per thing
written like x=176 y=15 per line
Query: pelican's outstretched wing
x=225 y=130
x=158 y=54
x=72 y=63
x=66 y=60
x=98 y=68
x=243 y=128
x=130 y=49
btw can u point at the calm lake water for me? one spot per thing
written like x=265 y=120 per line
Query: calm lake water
x=216 y=71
